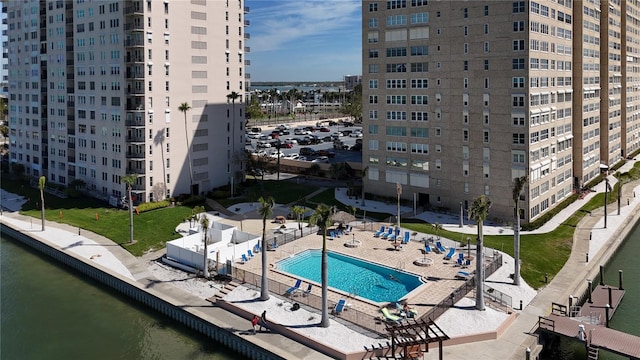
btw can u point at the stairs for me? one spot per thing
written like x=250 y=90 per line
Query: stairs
x=229 y=287
x=592 y=353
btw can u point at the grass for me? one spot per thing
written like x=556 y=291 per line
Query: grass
x=282 y=192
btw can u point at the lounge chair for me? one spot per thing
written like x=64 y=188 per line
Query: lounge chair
x=461 y=256
x=249 y=253
x=389 y=316
x=379 y=232
x=387 y=234
x=274 y=245
x=256 y=248
x=393 y=237
x=406 y=237
x=459 y=262
x=337 y=310
x=308 y=291
x=462 y=275
x=244 y=258
x=339 y=233
x=452 y=250
x=332 y=234
x=467 y=263
x=294 y=288
x=427 y=249
x=440 y=248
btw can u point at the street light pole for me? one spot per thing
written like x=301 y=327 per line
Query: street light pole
x=399 y=192
x=461 y=215
x=606 y=193
x=278 y=146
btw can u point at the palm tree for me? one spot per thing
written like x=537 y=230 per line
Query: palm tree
x=322 y=218
x=437 y=227
x=518 y=186
x=41 y=183
x=265 y=210
x=363 y=174
x=233 y=96
x=478 y=212
x=130 y=180
x=298 y=211
x=184 y=107
x=204 y=222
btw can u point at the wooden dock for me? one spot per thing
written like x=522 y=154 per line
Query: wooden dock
x=593 y=316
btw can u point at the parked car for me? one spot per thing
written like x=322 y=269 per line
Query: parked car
x=284 y=127
x=321 y=159
x=356 y=147
x=254 y=135
x=256 y=130
x=265 y=137
x=276 y=154
x=263 y=144
x=292 y=156
x=291 y=141
x=301 y=132
x=286 y=145
x=346 y=132
x=302 y=158
x=356 y=134
x=336 y=135
x=325 y=129
x=305 y=141
x=307 y=151
x=327 y=153
x=327 y=139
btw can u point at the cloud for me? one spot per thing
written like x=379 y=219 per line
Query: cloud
x=277 y=25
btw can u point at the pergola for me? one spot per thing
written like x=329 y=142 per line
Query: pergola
x=414 y=336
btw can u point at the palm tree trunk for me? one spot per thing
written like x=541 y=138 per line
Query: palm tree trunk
x=516 y=249
x=264 y=292
x=42 y=207
x=205 y=269
x=186 y=135
x=480 y=270
x=325 y=281
x=130 y=214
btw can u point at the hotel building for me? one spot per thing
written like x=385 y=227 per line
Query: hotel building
x=96 y=88
x=462 y=97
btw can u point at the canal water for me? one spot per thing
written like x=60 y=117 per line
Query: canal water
x=49 y=312
x=627 y=316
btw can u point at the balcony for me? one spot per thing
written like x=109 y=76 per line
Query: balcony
x=133 y=10
x=133 y=138
x=247 y=62
x=247 y=23
x=135 y=155
x=133 y=42
x=135 y=92
x=135 y=122
x=135 y=75
x=133 y=27
x=135 y=107
x=247 y=9
x=247 y=36
x=135 y=170
x=247 y=49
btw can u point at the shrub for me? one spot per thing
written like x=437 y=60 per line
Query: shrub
x=220 y=194
x=547 y=216
x=193 y=200
x=148 y=206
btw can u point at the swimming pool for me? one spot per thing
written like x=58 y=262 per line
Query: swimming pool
x=352 y=275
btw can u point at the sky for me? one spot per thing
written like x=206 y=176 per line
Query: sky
x=313 y=40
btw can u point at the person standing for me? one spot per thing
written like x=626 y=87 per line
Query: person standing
x=263 y=320
x=254 y=322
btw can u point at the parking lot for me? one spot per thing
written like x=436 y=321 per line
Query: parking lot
x=319 y=138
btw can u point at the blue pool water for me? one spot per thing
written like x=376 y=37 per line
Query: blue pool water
x=351 y=275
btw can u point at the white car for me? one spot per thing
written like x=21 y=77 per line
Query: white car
x=263 y=144
x=301 y=158
x=284 y=127
x=292 y=156
x=356 y=134
x=336 y=135
x=259 y=153
x=301 y=132
x=291 y=141
x=321 y=159
x=254 y=135
x=276 y=155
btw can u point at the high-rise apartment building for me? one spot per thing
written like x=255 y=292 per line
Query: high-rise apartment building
x=97 y=87
x=462 y=97
x=4 y=73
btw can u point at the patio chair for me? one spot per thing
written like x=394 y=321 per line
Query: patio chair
x=244 y=258
x=249 y=253
x=387 y=234
x=461 y=256
x=427 y=249
x=450 y=254
x=440 y=248
x=308 y=291
x=462 y=275
x=406 y=237
x=332 y=234
x=294 y=288
x=337 y=310
x=459 y=262
x=467 y=263
x=389 y=317
x=379 y=232
x=339 y=233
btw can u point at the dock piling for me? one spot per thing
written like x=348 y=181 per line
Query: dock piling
x=620 y=287
x=602 y=275
x=589 y=292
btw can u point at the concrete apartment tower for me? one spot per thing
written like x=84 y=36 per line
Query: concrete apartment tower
x=96 y=89
x=462 y=97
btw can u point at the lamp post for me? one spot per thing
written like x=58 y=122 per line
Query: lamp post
x=461 y=215
x=607 y=188
x=278 y=146
x=399 y=192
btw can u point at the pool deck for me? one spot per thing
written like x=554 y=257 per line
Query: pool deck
x=440 y=276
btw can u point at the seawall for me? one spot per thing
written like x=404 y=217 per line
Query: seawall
x=143 y=294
